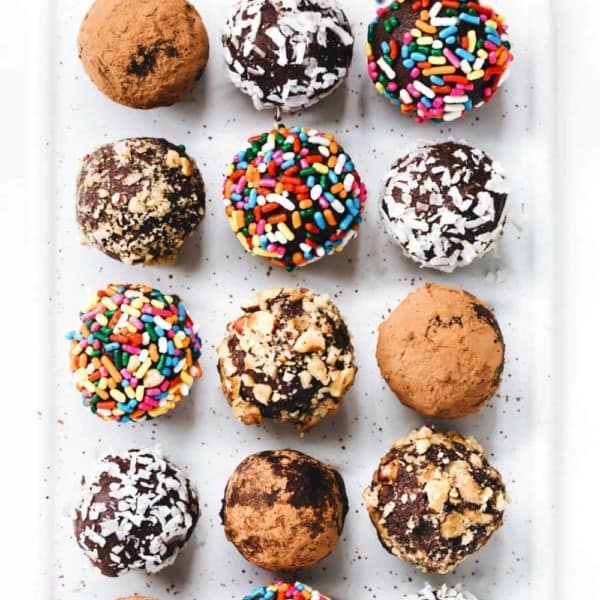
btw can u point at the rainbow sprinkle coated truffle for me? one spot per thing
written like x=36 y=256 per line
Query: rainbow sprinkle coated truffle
x=135 y=354
x=286 y=591
x=294 y=196
x=438 y=59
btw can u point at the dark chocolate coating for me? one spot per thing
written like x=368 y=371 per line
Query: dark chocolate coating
x=284 y=510
x=138 y=199
x=151 y=503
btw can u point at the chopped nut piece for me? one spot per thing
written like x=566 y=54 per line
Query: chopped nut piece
x=262 y=393
x=261 y=322
x=310 y=341
x=437 y=491
x=453 y=526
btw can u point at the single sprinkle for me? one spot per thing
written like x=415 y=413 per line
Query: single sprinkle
x=283 y=591
x=451 y=60
x=135 y=355
x=293 y=196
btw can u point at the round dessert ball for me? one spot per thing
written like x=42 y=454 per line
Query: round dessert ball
x=138 y=199
x=287 y=54
x=438 y=61
x=143 y=53
x=283 y=510
x=282 y=590
x=135 y=354
x=435 y=500
x=445 y=205
x=443 y=593
x=441 y=352
x=288 y=358
x=137 y=511
x=293 y=196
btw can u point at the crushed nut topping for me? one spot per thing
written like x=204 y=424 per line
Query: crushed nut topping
x=289 y=358
x=435 y=499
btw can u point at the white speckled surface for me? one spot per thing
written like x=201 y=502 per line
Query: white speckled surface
x=371 y=277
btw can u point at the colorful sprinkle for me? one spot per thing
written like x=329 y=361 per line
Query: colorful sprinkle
x=285 y=591
x=452 y=61
x=293 y=196
x=135 y=354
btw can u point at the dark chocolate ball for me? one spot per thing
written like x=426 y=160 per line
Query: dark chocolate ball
x=284 y=510
x=287 y=53
x=288 y=358
x=445 y=204
x=435 y=499
x=136 y=512
x=138 y=199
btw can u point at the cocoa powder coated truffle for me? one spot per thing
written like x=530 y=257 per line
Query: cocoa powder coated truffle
x=284 y=510
x=287 y=54
x=445 y=205
x=143 y=53
x=138 y=199
x=435 y=500
x=441 y=352
x=136 y=512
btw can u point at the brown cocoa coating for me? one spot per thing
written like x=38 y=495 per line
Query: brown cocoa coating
x=136 y=512
x=441 y=352
x=138 y=199
x=288 y=358
x=143 y=53
x=435 y=499
x=284 y=510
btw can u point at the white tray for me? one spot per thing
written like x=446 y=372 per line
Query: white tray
x=214 y=277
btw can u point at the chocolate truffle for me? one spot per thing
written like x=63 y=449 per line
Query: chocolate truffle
x=438 y=60
x=136 y=353
x=293 y=196
x=143 y=53
x=435 y=500
x=281 y=590
x=288 y=358
x=441 y=352
x=445 y=205
x=138 y=199
x=443 y=593
x=137 y=511
x=287 y=54
x=283 y=510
